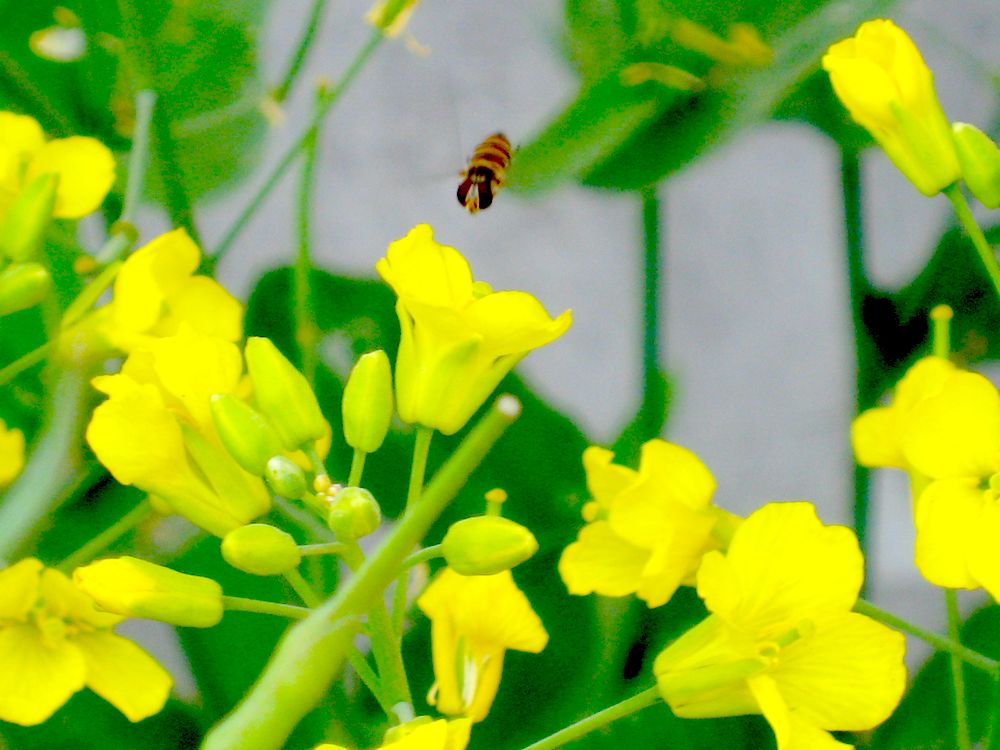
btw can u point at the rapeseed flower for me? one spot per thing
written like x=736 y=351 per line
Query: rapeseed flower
x=53 y=643
x=459 y=337
x=422 y=734
x=648 y=529
x=880 y=77
x=781 y=639
x=11 y=454
x=155 y=431
x=474 y=620
x=84 y=166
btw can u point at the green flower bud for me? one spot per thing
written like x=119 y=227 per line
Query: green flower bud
x=368 y=402
x=27 y=218
x=283 y=395
x=245 y=432
x=23 y=285
x=354 y=513
x=979 y=158
x=285 y=477
x=484 y=545
x=136 y=588
x=261 y=549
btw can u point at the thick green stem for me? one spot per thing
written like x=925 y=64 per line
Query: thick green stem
x=306 y=331
x=940 y=643
x=280 y=92
x=106 y=538
x=957 y=675
x=239 y=604
x=357 y=468
x=968 y=222
x=312 y=653
x=596 y=721
x=322 y=109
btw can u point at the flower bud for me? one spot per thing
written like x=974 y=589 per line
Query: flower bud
x=354 y=513
x=245 y=432
x=979 y=158
x=368 y=402
x=485 y=545
x=283 y=395
x=261 y=549
x=27 y=218
x=285 y=477
x=23 y=285
x=136 y=588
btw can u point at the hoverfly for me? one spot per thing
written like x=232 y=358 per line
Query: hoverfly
x=485 y=173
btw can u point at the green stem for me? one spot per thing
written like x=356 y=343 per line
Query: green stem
x=864 y=354
x=427 y=553
x=947 y=645
x=968 y=222
x=239 y=604
x=306 y=331
x=990 y=739
x=280 y=92
x=652 y=340
x=108 y=537
x=312 y=653
x=957 y=676
x=357 y=468
x=369 y=678
x=596 y=721
x=302 y=588
x=25 y=362
x=326 y=548
x=52 y=464
x=421 y=449
x=323 y=108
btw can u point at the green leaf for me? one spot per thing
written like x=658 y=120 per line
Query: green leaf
x=812 y=101
x=626 y=137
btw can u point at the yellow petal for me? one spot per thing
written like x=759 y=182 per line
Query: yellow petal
x=790 y=730
x=514 y=322
x=36 y=677
x=19 y=585
x=124 y=675
x=601 y=562
x=604 y=478
x=956 y=433
x=875 y=438
x=783 y=564
x=422 y=270
x=983 y=555
x=65 y=601
x=20 y=137
x=677 y=557
x=846 y=675
x=86 y=171
x=11 y=454
x=203 y=304
x=948 y=517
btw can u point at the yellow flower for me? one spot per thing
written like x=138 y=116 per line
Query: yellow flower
x=648 y=530
x=474 y=620
x=883 y=81
x=137 y=588
x=53 y=643
x=459 y=338
x=782 y=640
x=391 y=16
x=422 y=734
x=84 y=166
x=11 y=454
x=155 y=431
x=156 y=293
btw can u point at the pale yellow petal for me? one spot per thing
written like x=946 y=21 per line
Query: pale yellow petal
x=846 y=675
x=948 y=514
x=36 y=677
x=86 y=171
x=956 y=433
x=601 y=562
x=19 y=586
x=124 y=675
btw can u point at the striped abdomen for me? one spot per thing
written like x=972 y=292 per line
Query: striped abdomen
x=485 y=173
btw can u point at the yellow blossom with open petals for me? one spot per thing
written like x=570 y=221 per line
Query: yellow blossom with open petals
x=53 y=643
x=156 y=292
x=422 y=734
x=888 y=89
x=11 y=454
x=459 y=338
x=648 y=529
x=84 y=166
x=782 y=640
x=155 y=431
x=474 y=620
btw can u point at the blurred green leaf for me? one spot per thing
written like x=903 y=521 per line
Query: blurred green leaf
x=626 y=137
x=812 y=101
